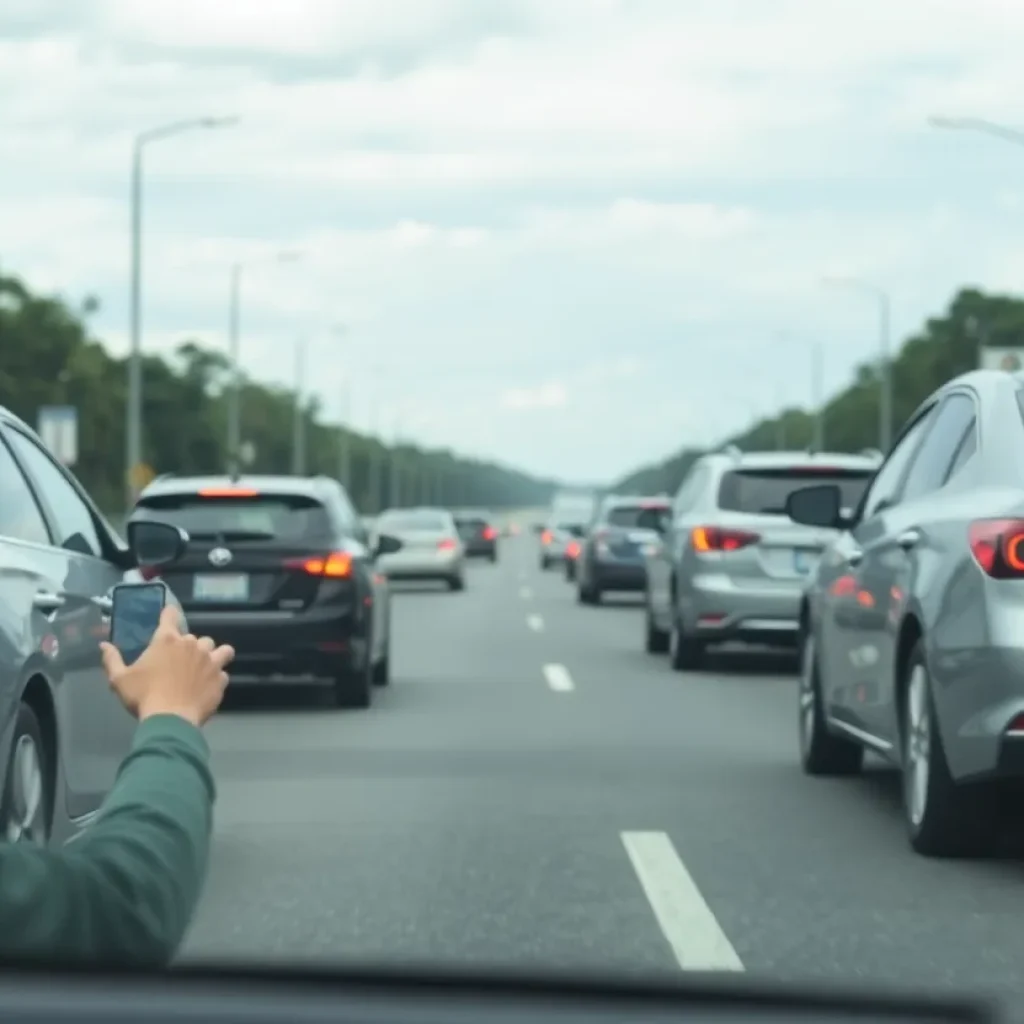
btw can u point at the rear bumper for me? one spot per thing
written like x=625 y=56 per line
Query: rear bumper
x=426 y=566
x=481 y=549
x=317 y=644
x=716 y=610
x=626 y=576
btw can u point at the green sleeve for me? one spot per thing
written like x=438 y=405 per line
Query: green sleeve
x=124 y=890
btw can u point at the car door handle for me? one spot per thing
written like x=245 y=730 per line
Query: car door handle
x=908 y=538
x=48 y=602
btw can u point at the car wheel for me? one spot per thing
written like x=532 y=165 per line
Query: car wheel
x=494 y=557
x=456 y=583
x=382 y=670
x=587 y=594
x=570 y=571
x=353 y=688
x=821 y=753
x=25 y=808
x=545 y=564
x=686 y=652
x=944 y=818
x=656 y=639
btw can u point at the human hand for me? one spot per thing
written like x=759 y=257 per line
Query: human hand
x=177 y=674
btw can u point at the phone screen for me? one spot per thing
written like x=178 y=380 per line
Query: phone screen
x=135 y=617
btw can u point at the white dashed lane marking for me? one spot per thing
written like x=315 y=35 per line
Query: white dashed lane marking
x=525 y=593
x=696 y=938
x=535 y=622
x=558 y=678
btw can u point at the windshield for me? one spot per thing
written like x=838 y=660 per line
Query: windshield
x=485 y=277
x=429 y=522
x=635 y=515
x=766 y=491
x=259 y=518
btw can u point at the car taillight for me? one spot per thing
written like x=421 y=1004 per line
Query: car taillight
x=714 y=538
x=446 y=545
x=573 y=550
x=228 y=492
x=998 y=547
x=545 y=537
x=336 y=565
x=490 y=533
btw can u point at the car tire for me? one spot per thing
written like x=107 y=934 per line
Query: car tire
x=382 y=669
x=353 y=688
x=25 y=812
x=456 y=583
x=570 y=571
x=944 y=818
x=656 y=640
x=685 y=651
x=587 y=594
x=821 y=752
x=545 y=564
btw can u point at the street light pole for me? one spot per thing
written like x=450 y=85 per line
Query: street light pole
x=299 y=425
x=818 y=396
x=133 y=403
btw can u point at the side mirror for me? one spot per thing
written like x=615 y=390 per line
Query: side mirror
x=821 y=505
x=386 y=545
x=155 y=543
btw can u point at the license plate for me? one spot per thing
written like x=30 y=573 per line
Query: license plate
x=640 y=538
x=221 y=587
x=805 y=562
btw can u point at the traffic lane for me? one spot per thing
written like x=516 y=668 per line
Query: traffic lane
x=441 y=826
x=809 y=878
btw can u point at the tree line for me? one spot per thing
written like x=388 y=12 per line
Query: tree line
x=48 y=356
x=944 y=347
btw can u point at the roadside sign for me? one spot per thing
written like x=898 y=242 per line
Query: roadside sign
x=1001 y=357
x=140 y=476
x=58 y=427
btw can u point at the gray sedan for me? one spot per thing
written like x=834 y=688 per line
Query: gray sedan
x=912 y=631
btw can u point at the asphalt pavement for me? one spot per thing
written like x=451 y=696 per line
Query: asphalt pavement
x=532 y=789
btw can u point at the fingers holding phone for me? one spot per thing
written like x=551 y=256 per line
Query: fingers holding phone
x=156 y=669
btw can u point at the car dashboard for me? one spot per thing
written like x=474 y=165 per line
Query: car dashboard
x=211 y=995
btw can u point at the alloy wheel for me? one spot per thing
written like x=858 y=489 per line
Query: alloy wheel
x=25 y=794
x=919 y=745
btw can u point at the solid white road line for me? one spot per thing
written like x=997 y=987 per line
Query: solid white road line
x=535 y=622
x=525 y=593
x=558 y=678
x=686 y=920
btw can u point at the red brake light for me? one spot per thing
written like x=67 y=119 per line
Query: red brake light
x=490 y=533
x=998 y=547
x=228 y=492
x=445 y=545
x=573 y=549
x=712 y=538
x=337 y=565
x=545 y=537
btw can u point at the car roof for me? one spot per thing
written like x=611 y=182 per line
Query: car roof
x=736 y=459
x=310 y=486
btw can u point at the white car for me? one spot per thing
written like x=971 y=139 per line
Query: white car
x=431 y=546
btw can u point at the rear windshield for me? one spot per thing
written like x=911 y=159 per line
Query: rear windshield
x=631 y=515
x=257 y=518
x=471 y=523
x=764 y=491
x=428 y=521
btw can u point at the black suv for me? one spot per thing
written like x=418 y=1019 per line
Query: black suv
x=280 y=568
x=478 y=534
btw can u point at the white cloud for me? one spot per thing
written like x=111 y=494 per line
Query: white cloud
x=586 y=218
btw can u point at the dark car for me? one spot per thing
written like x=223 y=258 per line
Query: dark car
x=478 y=534
x=912 y=627
x=63 y=732
x=280 y=568
x=612 y=555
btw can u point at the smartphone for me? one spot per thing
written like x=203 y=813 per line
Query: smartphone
x=135 y=616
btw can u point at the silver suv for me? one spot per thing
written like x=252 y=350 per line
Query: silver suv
x=731 y=564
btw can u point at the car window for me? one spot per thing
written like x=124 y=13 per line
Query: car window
x=639 y=515
x=20 y=517
x=930 y=466
x=75 y=524
x=432 y=522
x=885 y=487
x=765 y=491
x=965 y=450
x=258 y=518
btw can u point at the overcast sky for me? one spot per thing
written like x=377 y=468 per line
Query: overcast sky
x=570 y=234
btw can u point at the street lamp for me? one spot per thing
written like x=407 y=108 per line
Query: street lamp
x=881 y=297
x=235 y=391
x=133 y=407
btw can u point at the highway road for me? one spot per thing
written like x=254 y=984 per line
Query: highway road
x=534 y=790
